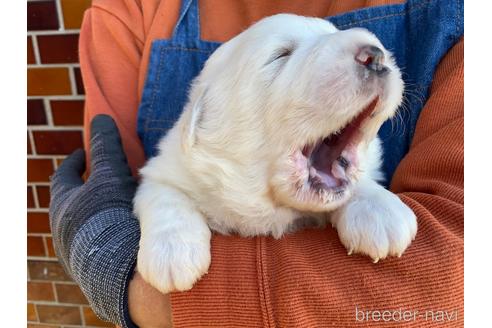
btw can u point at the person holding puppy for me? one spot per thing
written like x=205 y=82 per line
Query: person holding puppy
x=304 y=279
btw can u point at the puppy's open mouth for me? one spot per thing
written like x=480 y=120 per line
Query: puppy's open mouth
x=332 y=161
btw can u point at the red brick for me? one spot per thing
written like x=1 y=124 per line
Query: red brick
x=35 y=246
x=49 y=245
x=67 y=112
x=39 y=170
x=73 y=11
x=69 y=315
x=40 y=291
x=92 y=320
x=78 y=81
x=43 y=196
x=30 y=198
x=41 y=15
x=31 y=312
x=30 y=51
x=57 y=142
x=48 y=81
x=38 y=222
x=68 y=293
x=55 y=49
x=46 y=271
x=35 y=112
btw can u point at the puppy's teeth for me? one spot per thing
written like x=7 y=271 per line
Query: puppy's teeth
x=376 y=260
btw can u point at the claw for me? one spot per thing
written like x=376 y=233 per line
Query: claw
x=350 y=251
x=399 y=255
x=376 y=260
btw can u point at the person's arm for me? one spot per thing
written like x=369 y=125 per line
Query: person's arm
x=111 y=44
x=430 y=177
x=110 y=49
x=96 y=235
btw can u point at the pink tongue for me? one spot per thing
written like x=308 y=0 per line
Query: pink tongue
x=328 y=180
x=338 y=171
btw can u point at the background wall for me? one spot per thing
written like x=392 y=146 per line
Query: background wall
x=54 y=129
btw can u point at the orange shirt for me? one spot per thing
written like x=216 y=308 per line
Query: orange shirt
x=304 y=279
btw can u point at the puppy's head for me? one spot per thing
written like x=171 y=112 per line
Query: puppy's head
x=289 y=107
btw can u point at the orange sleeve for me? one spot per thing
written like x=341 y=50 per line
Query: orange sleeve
x=430 y=177
x=110 y=47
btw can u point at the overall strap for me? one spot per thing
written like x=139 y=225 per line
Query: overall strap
x=187 y=30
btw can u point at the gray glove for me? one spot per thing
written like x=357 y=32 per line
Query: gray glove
x=94 y=231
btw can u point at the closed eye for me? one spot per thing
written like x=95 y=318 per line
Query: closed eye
x=281 y=53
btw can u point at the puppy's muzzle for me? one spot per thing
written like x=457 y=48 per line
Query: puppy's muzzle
x=372 y=58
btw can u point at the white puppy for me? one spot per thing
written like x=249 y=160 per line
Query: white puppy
x=280 y=125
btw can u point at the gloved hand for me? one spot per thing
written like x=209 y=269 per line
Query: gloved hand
x=95 y=234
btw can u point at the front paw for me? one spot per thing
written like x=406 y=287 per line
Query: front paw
x=174 y=262
x=378 y=225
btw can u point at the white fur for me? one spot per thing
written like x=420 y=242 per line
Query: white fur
x=232 y=162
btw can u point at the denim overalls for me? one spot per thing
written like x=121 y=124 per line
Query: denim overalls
x=419 y=33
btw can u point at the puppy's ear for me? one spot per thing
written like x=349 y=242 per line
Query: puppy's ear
x=193 y=117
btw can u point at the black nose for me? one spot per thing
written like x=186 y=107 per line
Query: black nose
x=372 y=58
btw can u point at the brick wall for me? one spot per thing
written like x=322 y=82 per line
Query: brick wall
x=55 y=99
